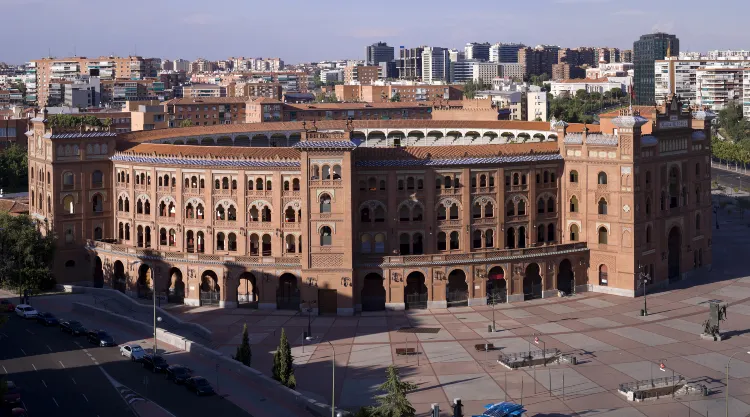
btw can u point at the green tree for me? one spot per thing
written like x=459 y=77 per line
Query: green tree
x=471 y=87
x=394 y=402
x=72 y=121
x=14 y=168
x=283 y=363
x=396 y=97
x=732 y=122
x=18 y=85
x=244 y=354
x=186 y=123
x=582 y=94
x=27 y=254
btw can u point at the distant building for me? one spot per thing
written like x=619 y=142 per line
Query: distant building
x=537 y=105
x=377 y=53
x=435 y=64
x=718 y=86
x=568 y=88
x=181 y=65
x=203 y=65
x=247 y=89
x=406 y=92
x=331 y=76
x=208 y=111
x=203 y=91
x=362 y=74
x=505 y=52
x=538 y=60
x=478 y=51
x=147 y=115
x=646 y=51
x=607 y=55
x=485 y=71
x=410 y=63
x=626 y=55
x=84 y=92
x=564 y=71
x=463 y=70
x=511 y=70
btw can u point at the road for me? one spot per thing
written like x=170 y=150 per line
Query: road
x=730 y=179
x=59 y=375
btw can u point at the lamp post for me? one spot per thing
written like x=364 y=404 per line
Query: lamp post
x=727 y=391
x=333 y=380
x=716 y=216
x=643 y=280
x=309 y=316
x=156 y=351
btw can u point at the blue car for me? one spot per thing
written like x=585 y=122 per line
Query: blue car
x=47 y=319
x=504 y=409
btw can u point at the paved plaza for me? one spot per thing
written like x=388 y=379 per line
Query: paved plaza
x=612 y=342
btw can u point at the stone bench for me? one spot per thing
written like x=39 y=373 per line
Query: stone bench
x=480 y=347
x=405 y=351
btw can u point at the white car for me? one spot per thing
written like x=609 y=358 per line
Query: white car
x=26 y=311
x=134 y=352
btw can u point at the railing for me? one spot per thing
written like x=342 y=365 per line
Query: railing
x=195 y=222
x=224 y=192
x=519 y=187
x=167 y=219
x=449 y=223
x=488 y=254
x=483 y=190
x=522 y=358
x=142 y=216
x=667 y=381
x=292 y=193
x=261 y=193
x=484 y=221
x=449 y=191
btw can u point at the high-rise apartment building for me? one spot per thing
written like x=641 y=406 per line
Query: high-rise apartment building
x=607 y=55
x=505 y=52
x=202 y=65
x=377 y=53
x=463 y=70
x=646 y=51
x=626 y=55
x=577 y=56
x=435 y=64
x=538 y=60
x=478 y=51
x=410 y=63
x=718 y=86
x=182 y=65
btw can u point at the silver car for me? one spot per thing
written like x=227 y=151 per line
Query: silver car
x=134 y=352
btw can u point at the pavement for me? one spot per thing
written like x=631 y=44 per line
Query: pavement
x=612 y=342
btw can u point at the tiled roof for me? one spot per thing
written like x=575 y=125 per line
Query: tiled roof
x=13 y=207
x=355 y=106
x=206 y=100
x=494 y=160
x=591 y=139
x=325 y=144
x=80 y=135
x=457 y=151
x=191 y=151
x=649 y=140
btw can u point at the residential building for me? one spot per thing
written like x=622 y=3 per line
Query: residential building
x=621 y=69
x=514 y=71
x=746 y=94
x=570 y=87
x=646 y=51
x=362 y=74
x=377 y=53
x=202 y=65
x=147 y=115
x=485 y=71
x=167 y=65
x=537 y=105
x=626 y=55
x=435 y=64
x=577 y=57
x=410 y=63
x=477 y=51
x=203 y=91
x=12 y=130
x=718 y=86
x=505 y=52
x=678 y=75
x=208 y=111
x=513 y=102
x=456 y=55
x=84 y=91
x=116 y=92
x=182 y=65
x=728 y=54
x=462 y=71
x=407 y=92
x=538 y=60
x=607 y=55
x=247 y=89
x=331 y=76
x=566 y=72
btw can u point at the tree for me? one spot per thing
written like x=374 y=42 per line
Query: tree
x=394 y=402
x=27 y=254
x=14 y=168
x=471 y=87
x=72 y=121
x=186 y=123
x=244 y=354
x=396 y=97
x=732 y=122
x=582 y=94
x=283 y=363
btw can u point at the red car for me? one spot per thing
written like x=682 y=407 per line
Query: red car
x=6 y=306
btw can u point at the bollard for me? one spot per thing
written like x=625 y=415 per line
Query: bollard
x=574 y=360
x=489 y=328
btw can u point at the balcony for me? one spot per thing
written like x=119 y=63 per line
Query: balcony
x=262 y=193
x=168 y=220
x=449 y=191
x=484 y=190
x=223 y=192
x=484 y=256
x=486 y=221
x=225 y=223
x=195 y=222
x=141 y=187
x=524 y=187
x=289 y=193
x=145 y=217
x=449 y=223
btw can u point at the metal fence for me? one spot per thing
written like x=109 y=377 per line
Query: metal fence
x=667 y=381
x=209 y=298
x=527 y=357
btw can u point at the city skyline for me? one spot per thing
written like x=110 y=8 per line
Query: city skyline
x=242 y=29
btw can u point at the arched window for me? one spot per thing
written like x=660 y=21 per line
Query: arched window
x=551 y=232
x=254 y=245
x=382 y=185
x=97 y=233
x=540 y=233
x=404 y=244
x=172 y=237
x=523 y=179
x=268 y=185
x=410 y=183
x=538 y=178
x=365 y=244
x=540 y=206
x=697 y=170
x=515 y=179
x=448 y=182
x=476 y=242
x=289 y=215
x=403 y=214
x=482 y=180
x=574 y=233
x=697 y=222
x=250 y=185
x=162 y=208
x=552 y=177
x=546 y=177
x=120 y=204
x=147 y=207
x=200 y=242
x=521 y=208
x=68 y=180
x=217 y=184
x=489 y=210
x=364 y=215
x=510 y=238
x=550 y=205
x=295 y=184
x=232 y=242
x=97 y=203
x=291 y=244
x=441 y=214
x=602 y=178
x=476 y=211
x=574 y=204
x=648 y=235
x=127 y=231
x=315 y=174
x=603 y=281
x=325 y=236
x=265 y=214
x=603 y=235
x=372 y=184
x=420 y=184
x=220 y=213
x=416 y=214
x=454 y=241
x=325 y=203
x=231 y=213
x=97 y=179
x=510 y=209
x=400 y=185
x=489 y=239
x=234 y=184
x=602 y=206
x=473 y=182
x=286 y=186
x=199 y=213
x=259 y=184
x=254 y=214
x=187 y=183
x=379 y=214
x=162 y=233
x=336 y=172
x=326 y=172
x=139 y=207
x=120 y=231
x=441 y=241
x=379 y=243
x=648 y=205
x=438 y=184
x=416 y=244
x=454 y=212
x=697 y=194
x=220 y=241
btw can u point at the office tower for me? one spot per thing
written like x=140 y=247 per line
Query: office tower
x=646 y=51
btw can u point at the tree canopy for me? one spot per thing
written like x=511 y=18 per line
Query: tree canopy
x=394 y=402
x=26 y=254
x=73 y=120
x=471 y=87
x=283 y=363
x=14 y=168
x=186 y=123
x=582 y=107
x=244 y=354
x=733 y=124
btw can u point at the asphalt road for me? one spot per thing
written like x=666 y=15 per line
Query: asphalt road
x=59 y=375
x=731 y=179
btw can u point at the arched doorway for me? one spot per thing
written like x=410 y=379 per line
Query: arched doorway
x=119 y=277
x=175 y=286
x=565 y=277
x=98 y=273
x=247 y=291
x=497 y=286
x=457 y=290
x=674 y=245
x=532 y=283
x=143 y=286
x=373 y=293
x=415 y=292
x=287 y=295
x=210 y=290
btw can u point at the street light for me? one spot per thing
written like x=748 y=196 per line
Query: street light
x=333 y=380
x=643 y=279
x=727 y=392
x=309 y=315
x=156 y=351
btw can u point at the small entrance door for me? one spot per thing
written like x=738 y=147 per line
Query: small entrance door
x=327 y=301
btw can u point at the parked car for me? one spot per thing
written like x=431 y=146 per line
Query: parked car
x=6 y=306
x=199 y=386
x=26 y=311
x=73 y=327
x=12 y=393
x=101 y=338
x=134 y=352
x=18 y=412
x=178 y=373
x=155 y=363
x=47 y=319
